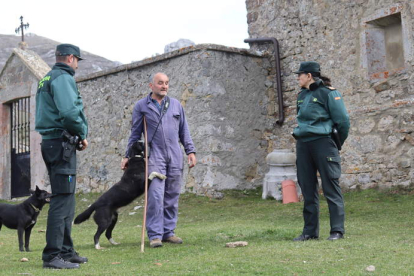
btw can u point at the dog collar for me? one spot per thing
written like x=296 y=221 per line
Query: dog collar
x=37 y=210
x=138 y=156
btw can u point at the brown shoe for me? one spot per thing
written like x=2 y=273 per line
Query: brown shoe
x=173 y=239
x=155 y=243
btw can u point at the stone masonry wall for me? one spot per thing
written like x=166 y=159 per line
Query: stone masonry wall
x=379 y=150
x=19 y=79
x=224 y=93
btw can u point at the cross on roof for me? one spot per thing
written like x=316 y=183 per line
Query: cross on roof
x=22 y=27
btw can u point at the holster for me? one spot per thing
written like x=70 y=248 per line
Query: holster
x=336 y=137
x=69 y=144
x=68 y=150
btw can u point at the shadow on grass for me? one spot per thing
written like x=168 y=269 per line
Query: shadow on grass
x=255 y=235
x=106 y=245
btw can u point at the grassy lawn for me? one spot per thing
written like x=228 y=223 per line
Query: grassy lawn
x=379 y=229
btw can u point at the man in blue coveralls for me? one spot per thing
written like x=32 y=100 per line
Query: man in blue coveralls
x=167 y=127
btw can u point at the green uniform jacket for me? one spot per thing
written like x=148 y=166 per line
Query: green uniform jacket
x=59 y=105
x=319 y=108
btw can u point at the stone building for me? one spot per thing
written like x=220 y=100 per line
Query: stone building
x=366 y=48
x=223 y=91
x=231 y=103
x=21 y=164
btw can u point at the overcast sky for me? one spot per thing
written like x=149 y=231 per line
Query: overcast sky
x=129 y=31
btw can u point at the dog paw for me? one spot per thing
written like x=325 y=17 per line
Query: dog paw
x=98 y=247
x=111 y=240
x=156 y=174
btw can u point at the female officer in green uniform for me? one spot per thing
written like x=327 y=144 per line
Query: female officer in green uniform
x=319 y=108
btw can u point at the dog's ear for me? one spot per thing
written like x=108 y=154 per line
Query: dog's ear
x=38 y=191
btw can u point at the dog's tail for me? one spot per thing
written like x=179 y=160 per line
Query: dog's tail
x=85 y=215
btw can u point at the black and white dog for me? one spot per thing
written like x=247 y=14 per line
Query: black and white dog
x=131 y=186
x=23 y=216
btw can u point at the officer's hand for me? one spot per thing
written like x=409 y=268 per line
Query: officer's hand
x=124 y=163
x=84 y=143
x=192 y=160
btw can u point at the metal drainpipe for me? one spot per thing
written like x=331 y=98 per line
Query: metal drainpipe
x=278 y=73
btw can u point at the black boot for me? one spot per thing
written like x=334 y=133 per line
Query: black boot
x=335 y=236
x=305 y=238
x=59 y=263
x=77 y=259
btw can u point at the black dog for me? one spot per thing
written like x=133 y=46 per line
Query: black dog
x=131 y=186
x=23 y=216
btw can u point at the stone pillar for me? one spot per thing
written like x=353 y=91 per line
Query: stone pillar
x=281 y=167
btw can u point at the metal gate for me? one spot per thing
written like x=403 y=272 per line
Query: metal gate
x=20 y=147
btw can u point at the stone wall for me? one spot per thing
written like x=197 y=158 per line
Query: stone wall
x=340 y=36
x=224 y=93
x=18 y=79
x=231 y=103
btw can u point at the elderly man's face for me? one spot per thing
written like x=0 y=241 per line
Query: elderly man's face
x=159 y=85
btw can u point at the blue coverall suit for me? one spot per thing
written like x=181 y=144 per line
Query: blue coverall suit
x=166 y=157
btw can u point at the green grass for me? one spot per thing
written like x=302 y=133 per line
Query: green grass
x=379 y=229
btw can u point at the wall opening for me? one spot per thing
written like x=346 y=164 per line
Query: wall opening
x=384 y=46
x=20 y=147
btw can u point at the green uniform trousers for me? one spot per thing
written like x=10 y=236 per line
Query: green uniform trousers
x=62 y=205
x=320 y=155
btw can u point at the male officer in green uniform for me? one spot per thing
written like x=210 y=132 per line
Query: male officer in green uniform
x=59 y=110
x=320 y=108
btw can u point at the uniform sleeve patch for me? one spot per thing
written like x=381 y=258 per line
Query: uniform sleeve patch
x=337 y=98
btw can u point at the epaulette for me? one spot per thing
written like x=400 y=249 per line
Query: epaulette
x=330 y=87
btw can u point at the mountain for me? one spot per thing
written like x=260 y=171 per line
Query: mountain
x=45 y=48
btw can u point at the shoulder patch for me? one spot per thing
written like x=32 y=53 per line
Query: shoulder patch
x=331 y=88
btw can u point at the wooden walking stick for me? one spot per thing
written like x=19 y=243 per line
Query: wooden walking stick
x=144 y=220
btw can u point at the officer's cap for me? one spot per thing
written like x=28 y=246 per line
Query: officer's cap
x=68 y=49
x=309 y=67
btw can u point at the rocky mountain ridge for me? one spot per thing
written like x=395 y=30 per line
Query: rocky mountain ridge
x=45 y=48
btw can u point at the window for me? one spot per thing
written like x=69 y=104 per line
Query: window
x=385 y=45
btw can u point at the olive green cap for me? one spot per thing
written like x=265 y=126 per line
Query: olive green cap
x=68 y=49
x=309 y=67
